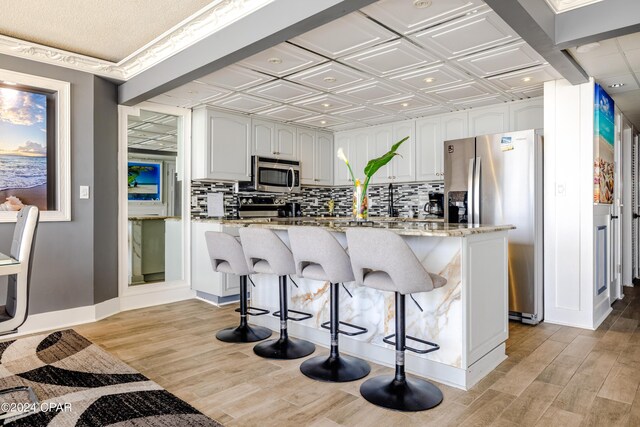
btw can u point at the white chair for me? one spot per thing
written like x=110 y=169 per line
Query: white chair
x=14 y=313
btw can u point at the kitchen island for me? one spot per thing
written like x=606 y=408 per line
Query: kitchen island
x=468 y=317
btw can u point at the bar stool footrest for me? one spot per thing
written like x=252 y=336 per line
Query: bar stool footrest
x=434 y=346
x=254 y=311
x=303 y=315
x=360 y=329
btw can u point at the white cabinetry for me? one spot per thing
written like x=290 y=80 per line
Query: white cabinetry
x=203 y=278
x=355 y=147
x=403 y=167
x=528 y=114
x=316 y=157
x=429 y=150
x=489 y=120
x=455 y=126
x=221 y=146
x=379 y=143
x=274 y=140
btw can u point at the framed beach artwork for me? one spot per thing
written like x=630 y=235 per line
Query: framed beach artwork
x=144 y=181
x=34 y=146
x=604 y=139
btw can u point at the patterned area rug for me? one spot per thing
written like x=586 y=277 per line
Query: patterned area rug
x=79 y=384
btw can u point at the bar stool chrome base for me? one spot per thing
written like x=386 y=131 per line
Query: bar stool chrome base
x=410 y=394
x=335 y=369
x=284 y=348
x=243 y=333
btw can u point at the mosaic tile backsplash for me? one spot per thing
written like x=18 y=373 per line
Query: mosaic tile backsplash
x=313 y=200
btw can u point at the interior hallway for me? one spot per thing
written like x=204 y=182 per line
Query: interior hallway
x=554 y=376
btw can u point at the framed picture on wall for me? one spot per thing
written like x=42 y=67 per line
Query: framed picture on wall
x=34 y=146
x=144 y=181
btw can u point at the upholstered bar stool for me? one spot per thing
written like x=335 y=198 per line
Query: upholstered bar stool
x=382 y=260
x=319 y=256
x=266 y=253
x=227 y=257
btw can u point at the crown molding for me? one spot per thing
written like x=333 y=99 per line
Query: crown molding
x=200 y=25
x=560 y=6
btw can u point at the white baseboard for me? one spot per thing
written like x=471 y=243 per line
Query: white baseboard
x=141 y=300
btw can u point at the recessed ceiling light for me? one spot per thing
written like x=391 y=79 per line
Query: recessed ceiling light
x=274 y=60
x=615 y=85
x=326 y=105
x=422 y=4
x=429 y=80
x=405 y=104
x=587 y=47
x=329 y=79
x=323 y=122
x=526 y=79
x=10 y=83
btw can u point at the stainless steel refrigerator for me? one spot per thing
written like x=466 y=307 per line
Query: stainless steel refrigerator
x=497 y=179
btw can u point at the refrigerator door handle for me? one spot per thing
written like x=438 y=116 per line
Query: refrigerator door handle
x=476 y=191
x=470 y=192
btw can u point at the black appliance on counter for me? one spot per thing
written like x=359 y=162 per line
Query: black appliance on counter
x=260 y=207
x=292 y=209
x=435 y=206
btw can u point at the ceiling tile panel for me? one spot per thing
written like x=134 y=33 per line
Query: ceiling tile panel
x=533 y=76
x=329 y=77
x=362 y=114
x=467 y=35
x=286 y=113
x=325 y=103
x=283 y=91
x=406 y=16
x=431 y=78
x=373 y=92
x=466 y=92
x=630 y=41
x=390 y=57
x=282 y=60
x=528 y=92
x=344 y=36
x=235 y=78
x=244 y=103
x=347 y=126
x=628 y=81
x=406 y=104
x=481 y=102
x=633 y=57
x=322 y=121
x=605 y=66
x=503 y=59
x=195 y=93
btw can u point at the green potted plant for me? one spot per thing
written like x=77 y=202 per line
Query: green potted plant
x=360 y=208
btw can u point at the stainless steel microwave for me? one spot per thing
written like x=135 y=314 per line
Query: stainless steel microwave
x=273 y=175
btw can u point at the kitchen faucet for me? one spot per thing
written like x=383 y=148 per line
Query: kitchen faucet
x=391 y=210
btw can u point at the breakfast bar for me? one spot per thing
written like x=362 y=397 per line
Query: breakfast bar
x=467 y=317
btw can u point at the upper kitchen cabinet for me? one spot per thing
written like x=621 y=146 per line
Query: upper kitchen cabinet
x=527 y=114
x=274 y=140
x=429 y=149
x=455 y=126
x=316 y=157
x=380 y=143
x=221 y=145
x=355 y=147
x=403 y=166
x=489 y=120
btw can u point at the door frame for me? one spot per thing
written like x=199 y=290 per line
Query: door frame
x=161 y=292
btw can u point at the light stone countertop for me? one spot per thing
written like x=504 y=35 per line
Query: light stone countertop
x=402 y=226
x=154 y=217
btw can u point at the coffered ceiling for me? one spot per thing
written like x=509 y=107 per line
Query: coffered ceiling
x=560 y=6
x=615 y=64
x=392 y=60
x=153 y=131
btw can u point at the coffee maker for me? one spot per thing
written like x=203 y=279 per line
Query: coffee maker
x=435 y=206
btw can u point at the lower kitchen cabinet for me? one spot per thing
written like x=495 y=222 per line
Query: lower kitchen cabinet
x=203 y=278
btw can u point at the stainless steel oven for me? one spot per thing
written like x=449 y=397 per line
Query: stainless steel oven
x=274 y=175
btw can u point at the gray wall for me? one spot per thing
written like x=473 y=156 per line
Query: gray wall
x=65 y=266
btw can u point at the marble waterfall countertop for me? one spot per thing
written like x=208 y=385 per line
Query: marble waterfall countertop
x=402 y=226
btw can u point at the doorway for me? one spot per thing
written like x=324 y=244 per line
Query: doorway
x=154 y=207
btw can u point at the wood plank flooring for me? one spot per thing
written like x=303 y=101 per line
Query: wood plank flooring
x=554 y=376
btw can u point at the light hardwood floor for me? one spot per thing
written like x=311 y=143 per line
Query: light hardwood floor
x=554 y=376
